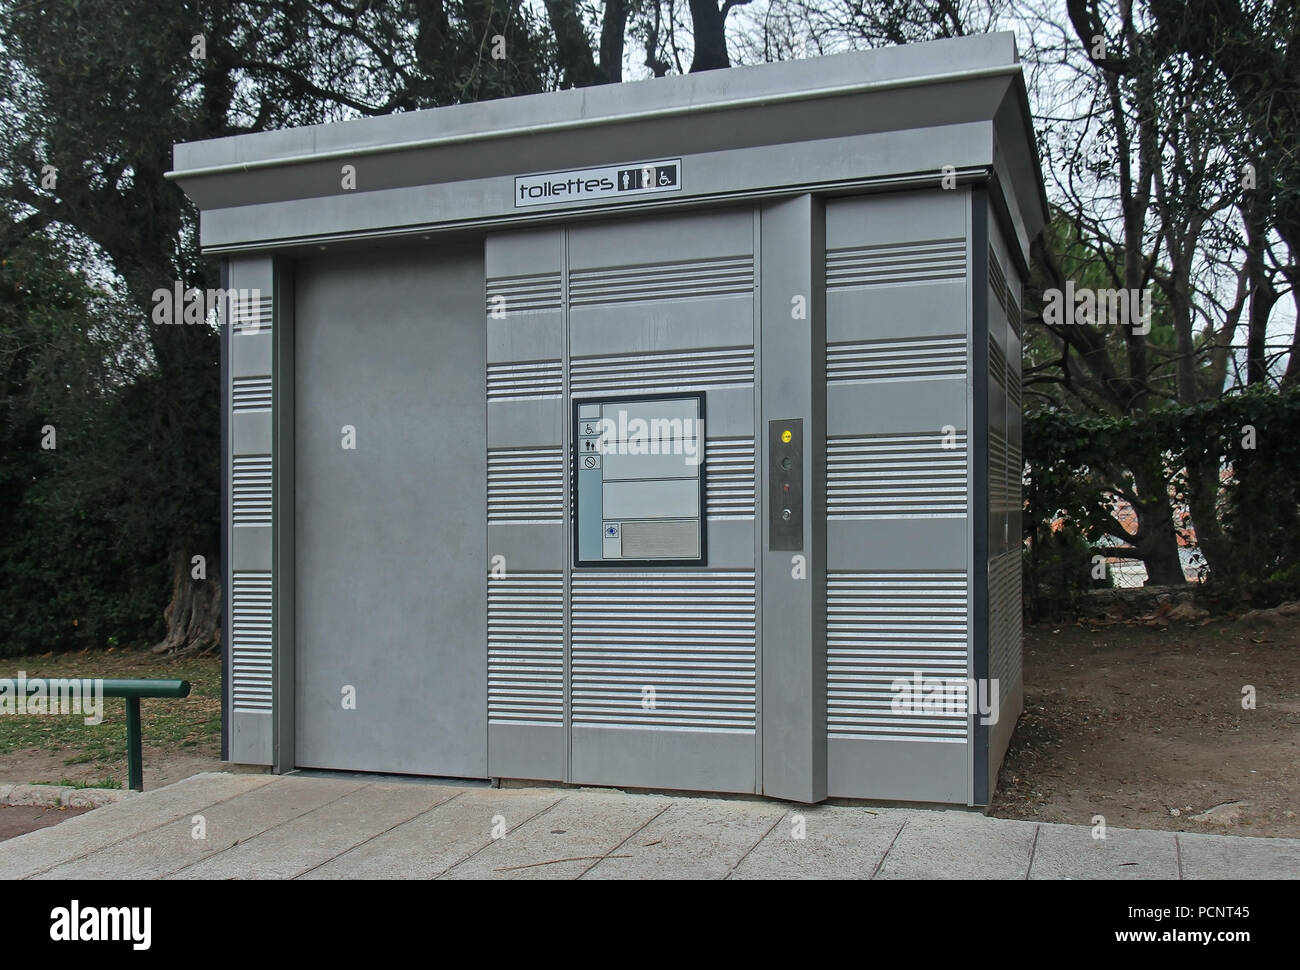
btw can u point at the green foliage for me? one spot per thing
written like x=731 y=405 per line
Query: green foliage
x=1249 y=528
x=70 y=576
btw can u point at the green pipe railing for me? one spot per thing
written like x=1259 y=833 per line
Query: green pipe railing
x=133 y=691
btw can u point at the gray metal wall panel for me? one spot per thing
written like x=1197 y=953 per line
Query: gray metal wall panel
x=251 y=549
x=535 y=752
x=663 y=664
x=896 y=407
x=250 y=355
x=898 y=482
x=1006 y=468
x=249 y=475
x=707 y=175
x=527 y=546
x=250 y=432
x=679 y=760
x=665 y=324
x=527 y=501
x=913 y=543
x=226 y=524
x=513 y=424
x=392 y=535
x=910 y=771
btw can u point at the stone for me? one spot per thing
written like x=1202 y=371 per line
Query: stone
x=1229 y=813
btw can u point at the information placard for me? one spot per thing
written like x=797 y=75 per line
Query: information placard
x=639 y=469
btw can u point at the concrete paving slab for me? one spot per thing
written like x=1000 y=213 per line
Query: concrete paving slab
x=341 y=826
x=580 y=829
x=838 y=843
x=960 y=845
x=1235 y=857
x=697 y=838
x=36 y=852
x=319 y=835
x=446 y=835
x=169 y=848
x=1070 y=852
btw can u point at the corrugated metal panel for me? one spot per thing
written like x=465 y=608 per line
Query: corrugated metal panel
x=522 y=380
x=530 y=293
x=998 y=281
x=727 y=276
x=1015 y=477
x=525 y=484
x=1013 y=384
x=672 y=370
x=896 y=476
x=250 y=641
x=999 y=499
x=909 y=359
x=886 y=627
x=729 y=478
x=997 y=364
x=688 y=637
x=250 y=484
x=1014 y=314
x=250 y=394
x=1005 y=581
x=526 y=648
x=249 y=316
x=915 y=262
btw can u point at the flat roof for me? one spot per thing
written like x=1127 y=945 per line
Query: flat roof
x=934 y=84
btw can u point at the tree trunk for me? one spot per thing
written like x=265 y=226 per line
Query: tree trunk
x=1156 y=541
x=193 y=616
x=1202 y=501
x=709 y=32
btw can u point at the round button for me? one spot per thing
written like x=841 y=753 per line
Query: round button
x=785 y=462
x=785 y=515
x=786 y=436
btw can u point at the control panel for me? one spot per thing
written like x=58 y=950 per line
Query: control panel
x=785 y=485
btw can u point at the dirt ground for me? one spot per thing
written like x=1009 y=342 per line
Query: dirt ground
x=1143 y=723
x=162 y=766
x=21 y=819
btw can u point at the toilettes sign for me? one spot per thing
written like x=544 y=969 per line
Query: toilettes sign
x=593 y=184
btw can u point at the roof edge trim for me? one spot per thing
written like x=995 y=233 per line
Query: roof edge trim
x=557 y=126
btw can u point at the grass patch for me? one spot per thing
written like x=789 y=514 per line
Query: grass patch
x=70 y=783
x=170 y=723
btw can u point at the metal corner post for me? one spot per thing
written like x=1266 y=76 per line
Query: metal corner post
x=794 y=605
x=283 y=755
x=979 y=484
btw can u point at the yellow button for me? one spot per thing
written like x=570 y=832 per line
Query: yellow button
x=786 y=436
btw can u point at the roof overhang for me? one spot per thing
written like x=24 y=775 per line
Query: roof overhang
x=861 y=121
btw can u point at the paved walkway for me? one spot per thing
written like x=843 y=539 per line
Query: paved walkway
x=347 y=827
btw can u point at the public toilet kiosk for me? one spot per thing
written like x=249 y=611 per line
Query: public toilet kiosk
x=659 y=435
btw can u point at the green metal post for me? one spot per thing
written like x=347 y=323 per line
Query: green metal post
x=134 y=757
